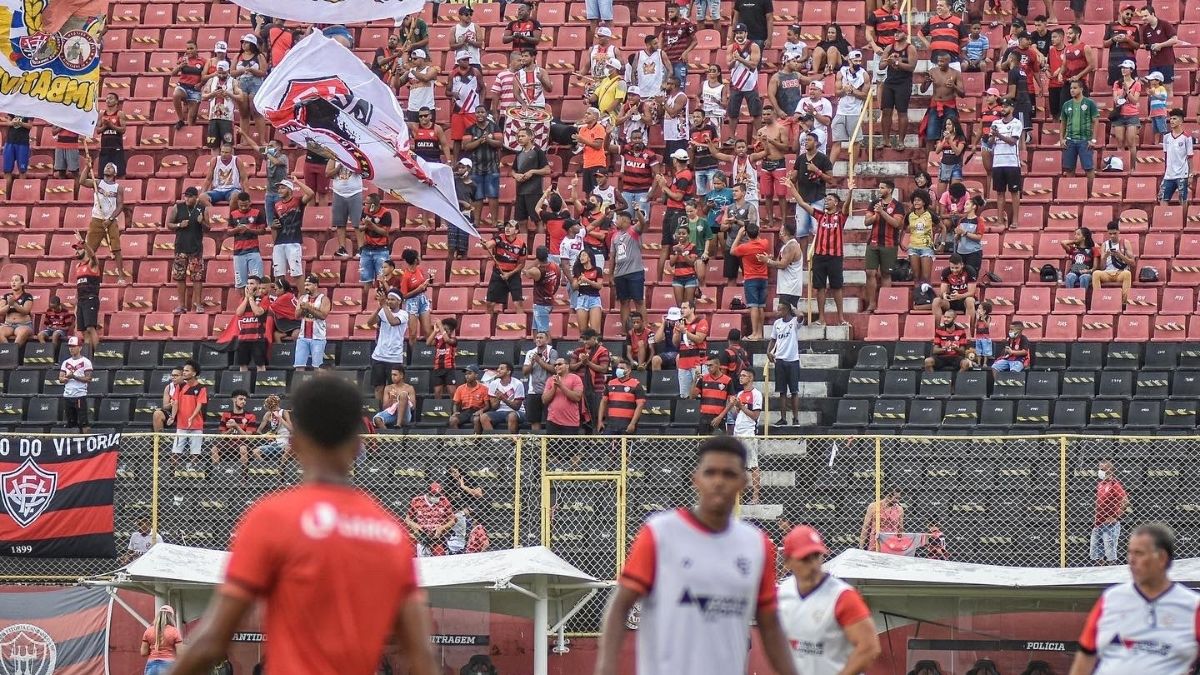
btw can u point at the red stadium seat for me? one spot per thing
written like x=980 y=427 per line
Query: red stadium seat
x=1096 y=328
x=1170 y=328
x=1061 y=328
x=884 y=328
x=1133 y=328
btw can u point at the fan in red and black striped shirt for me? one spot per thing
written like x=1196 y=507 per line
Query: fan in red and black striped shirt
x=828 y=245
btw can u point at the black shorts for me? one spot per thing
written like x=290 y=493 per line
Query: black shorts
x=705 y=426
x=668 y=359
x=827 y=273
x=792 y=301
x=219 y=131
x=753 y=103
x=499 y=289
x=444 y=377
x=466 y=418
x=787 y=378
x=730 y=266
x=672 y=219
x=75 y=410
x=535 y=410
x=87 y=313
x=559 y=430
x=896 y=96
x=251 y=351
x=1007 y=179
x=115 y=156
x=959 y=305
x=947 y=361
x=526 y=207
x=381 y=372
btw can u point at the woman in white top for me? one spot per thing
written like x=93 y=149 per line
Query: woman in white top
x=714 y=96
x=311 y=308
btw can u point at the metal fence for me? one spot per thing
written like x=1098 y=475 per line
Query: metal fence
x=1017 y=500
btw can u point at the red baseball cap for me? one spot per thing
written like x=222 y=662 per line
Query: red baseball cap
x=802 y=542
x=435 y=487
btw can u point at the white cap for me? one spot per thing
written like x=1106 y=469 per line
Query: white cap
x=855 y=54
x=221 y=46
x=287 y=184
x=1128 y=63
x=681 y=155
x=462 y=54
x=604 y=31
x=419 y=54
x=673 y=314
x=1114 y=163
x=1155 y=75
x=818 y=84
x=222 y=65
x=251 y=38
x=73 y=341
x=466 y=161
x=614 y=62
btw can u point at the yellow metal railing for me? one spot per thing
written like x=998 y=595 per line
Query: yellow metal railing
x=866 y=116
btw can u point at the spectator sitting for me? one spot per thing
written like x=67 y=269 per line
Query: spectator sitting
x=430 y=516
x=16 y=308
x=276 y=422
x=58 y=322
x=957 y=291
x=949 y=345
x=467 y=535
x=1081 y=253
x=1115 y=263
x=1014 y=356
x=505 y=394
x=237 y=422
x=140 y=541
x=470 y=398
x=399 y=402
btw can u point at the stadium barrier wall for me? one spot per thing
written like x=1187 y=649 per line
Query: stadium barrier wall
x=1011 y=500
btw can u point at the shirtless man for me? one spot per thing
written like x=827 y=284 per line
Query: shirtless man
x=165 y=416
x=399 y=402
x=774 y=139
x=947 y=85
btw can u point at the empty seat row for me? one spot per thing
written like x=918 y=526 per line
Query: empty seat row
x=1087 y=356
x=995 y=416
x=1117 y=384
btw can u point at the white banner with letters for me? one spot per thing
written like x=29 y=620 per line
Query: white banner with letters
x=333 y=11
x=326 y=100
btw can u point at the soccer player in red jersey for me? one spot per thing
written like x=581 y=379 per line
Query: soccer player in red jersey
x=333 y=566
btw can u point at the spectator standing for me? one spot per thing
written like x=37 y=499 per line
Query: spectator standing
x=392 y=322
x=246 y=224
x=714 y=97
x=678 y=36
x=621 y=406
x=1111 y=502
x=945 y=34
x=1159 y=98
x=376 y=243
x=885 y=218
x=704 y=134
x=312 y=307
x=1079 y=59
x=1121 y=41
x=74 y=374
x=691 y=336
x=1127 y=93
x=1159 y=38
x=58 y=323
x=713 y=388
x=758 y=16
x=88 y=275
x=250 y=69
x=1178 y=147
x=223 y=94
x=946 y=85
x=538 y=367
x=774 y=139
x=191 y=398
x=648 y=70
x=592 y=136
x=739 y=215
x=587 y=280
x=483 y=141
x=957 y=291
x=639 y=167
x=784 y=352
x=626 y=267
x=430 y=516
x=189 y=219
x=277 y=165
x=745 y=56
x=347 y=187
x=467 y=36
x=505 y=396
x=747 y=403
x=469 y=399
x=1056 y=91
x=563 y=398
x=1015 y=352
x=503 y=91
x=883 y=24
x=748 y=246
x=684 y=259
x=853 y=82
x=465 y=90
x=237 y=421
x=445 y=349
x=890 y=513
x=601 y=53
x=828 y=249
x=676 y=111
x=66 y=153
x=546 y=277
x=187 y=88
x=108 y=204
x=989 y=111
x=1008 y=142
x=789 y=284
x=111 y=127
x=414 y=287
x=251 y=317
x=509 y=251
x=160 y=642
x=287 y=254
x=676 y=189
x=1116 y=262
x=530 y=168
x=591 y=361
x=813 y=170
x=420 y=77
x=1081 y=253
x=531 y=81
x=900 y=59
x=16 y=149
x=968 y=234
x=1078 y=115
x=429 y=140
x=949 y=350
x=821 y=111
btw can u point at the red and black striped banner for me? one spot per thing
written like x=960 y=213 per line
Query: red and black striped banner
x=59 y=632
x=57 y=495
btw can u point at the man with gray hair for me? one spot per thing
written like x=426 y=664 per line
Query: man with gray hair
x=1111 y=501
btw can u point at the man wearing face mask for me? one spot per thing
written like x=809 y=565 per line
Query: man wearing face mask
x=1016 y=351
x=624 y=398
x=1111 y=501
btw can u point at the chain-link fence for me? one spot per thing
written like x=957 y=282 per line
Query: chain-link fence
x=1016 y=500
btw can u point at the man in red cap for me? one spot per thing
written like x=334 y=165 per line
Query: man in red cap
x=828 y=625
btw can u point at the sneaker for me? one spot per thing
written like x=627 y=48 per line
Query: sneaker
x=180 y=310
x=994 y=278
x=341 y=252
x=926 y=288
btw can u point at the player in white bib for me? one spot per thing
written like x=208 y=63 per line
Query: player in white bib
x=828 y=626
x=1147 y=626
x=701 y=576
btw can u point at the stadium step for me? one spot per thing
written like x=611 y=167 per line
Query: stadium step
x=874 y=169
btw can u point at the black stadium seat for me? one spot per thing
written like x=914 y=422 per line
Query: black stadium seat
x=900 y=384
x=145 y=354
x=971 y=384
x=910 y=355
x=890 y=413
x=1079 y=384
x=1162 y=355
x=936 y=384
x=923 y=414
x=960 y=414
x=24 y=382
x=997 y=415
x=129 y=382
x=872 y=357
x=1009 y=385
x=852 y=414
x=1153 y=384
x=1116 y=384
x=1041 y=384
x=1106 y=414
x=1069 y=414
x=1144 y=415
x=863 y=383
x=1179 y=413
x=1185 y=383
x=1033 y=413
x=1124 y=355
x=1086 y=356
x=1050 y=355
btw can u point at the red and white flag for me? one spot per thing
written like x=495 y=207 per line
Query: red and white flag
x=326 y=100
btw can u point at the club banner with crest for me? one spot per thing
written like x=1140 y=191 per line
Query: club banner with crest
x=334 y=11
x=58 y=496
x=50 y=68
x=325 y=99
x=59 y=632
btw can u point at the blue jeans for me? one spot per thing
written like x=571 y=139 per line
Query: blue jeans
x=244 y=265
x=306 y=348
x=687 y=378
x=1009 y=365
x=158 y=667
x=417 y=305
x=1172 y=186
x=269 y=205
x=1104 y=542
x=370 y=263
x=599 y=9
x=704 y=178
x=1077 y=152
x=487 y=185
x=639 y=201
x=1083 y=280
x=541 y=318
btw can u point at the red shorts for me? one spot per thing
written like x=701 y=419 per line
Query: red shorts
x=459 y=123
x=315 y=178
x=772 y=180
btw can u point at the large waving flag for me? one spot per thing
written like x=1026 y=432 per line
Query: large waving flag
x=61 y=632
x=333 y=11
x=327 y=100
x=50 y=62
x=58 y=496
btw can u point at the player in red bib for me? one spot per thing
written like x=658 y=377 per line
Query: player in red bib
x=333 y=567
